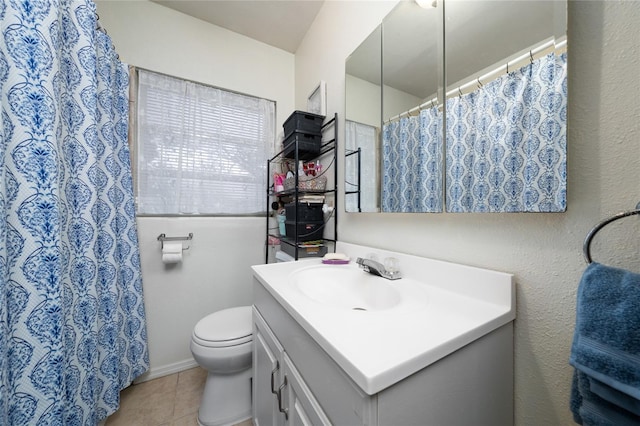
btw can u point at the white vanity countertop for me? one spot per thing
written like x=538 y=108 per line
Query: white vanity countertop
x=456 y=305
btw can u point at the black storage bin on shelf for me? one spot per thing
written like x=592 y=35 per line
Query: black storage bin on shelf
x=318 y=251
x=301 y=121
x=306 y=212
x=308 y=145
x=307 y=230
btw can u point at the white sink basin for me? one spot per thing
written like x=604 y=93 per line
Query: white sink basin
x=435 y=309
x=346 y=287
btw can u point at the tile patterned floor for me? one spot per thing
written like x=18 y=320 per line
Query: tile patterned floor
x=167 y=401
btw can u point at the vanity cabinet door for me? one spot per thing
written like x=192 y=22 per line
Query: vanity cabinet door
x=302 y=407
x=267 y=374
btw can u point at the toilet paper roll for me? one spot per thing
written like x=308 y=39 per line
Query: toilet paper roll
x=172 y=252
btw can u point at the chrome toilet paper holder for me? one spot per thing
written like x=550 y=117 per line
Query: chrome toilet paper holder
x=163 y=237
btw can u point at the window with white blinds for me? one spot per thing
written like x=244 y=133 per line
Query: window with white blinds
x=200 y=149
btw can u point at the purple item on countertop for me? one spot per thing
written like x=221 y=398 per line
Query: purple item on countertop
x=335 y=261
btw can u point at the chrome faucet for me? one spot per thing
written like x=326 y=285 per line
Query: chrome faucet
x=376 y=268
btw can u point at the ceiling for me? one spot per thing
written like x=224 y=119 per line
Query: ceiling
x=279 y=23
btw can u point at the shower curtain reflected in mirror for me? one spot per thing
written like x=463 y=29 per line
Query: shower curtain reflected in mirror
x=507 y=142
x=412 y=163
x=72 y=320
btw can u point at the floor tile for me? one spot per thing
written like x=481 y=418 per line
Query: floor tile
x=189 y=392
x=193 y=378
x=167 y=401
x=188 y=420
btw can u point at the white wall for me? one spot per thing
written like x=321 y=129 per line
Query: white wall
x=542 y=250
x=364 y=101
x=215 y=272
x=396 y=102
x=160 y=39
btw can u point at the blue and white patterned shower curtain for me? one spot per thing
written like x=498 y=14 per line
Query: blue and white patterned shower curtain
x=506 y=142
x=412 y=163
x=72 y=320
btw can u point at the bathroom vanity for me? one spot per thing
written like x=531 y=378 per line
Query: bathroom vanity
x=336 y=345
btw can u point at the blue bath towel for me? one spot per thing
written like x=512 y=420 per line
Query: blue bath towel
x=591 y=410
x=606 y=345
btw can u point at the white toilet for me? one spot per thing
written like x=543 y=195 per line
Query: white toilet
x=221 y=344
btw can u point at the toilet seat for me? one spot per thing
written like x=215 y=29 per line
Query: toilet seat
x=228 y=327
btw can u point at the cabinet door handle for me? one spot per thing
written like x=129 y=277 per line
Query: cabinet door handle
x=273 y=380
x=282 y=410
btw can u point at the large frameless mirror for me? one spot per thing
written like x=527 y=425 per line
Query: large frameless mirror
x=506 y=106
x=503 y=147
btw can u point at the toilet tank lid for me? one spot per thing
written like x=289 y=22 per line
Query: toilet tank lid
x=225 y=325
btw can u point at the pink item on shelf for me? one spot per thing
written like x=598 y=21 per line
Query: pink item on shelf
x=278 y=182
x=310 y=169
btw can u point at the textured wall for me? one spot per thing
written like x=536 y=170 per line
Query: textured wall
x=542 y=250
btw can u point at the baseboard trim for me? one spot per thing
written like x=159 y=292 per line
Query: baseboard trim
x=165 y=370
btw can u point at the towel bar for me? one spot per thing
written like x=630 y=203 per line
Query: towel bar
x=586 y=247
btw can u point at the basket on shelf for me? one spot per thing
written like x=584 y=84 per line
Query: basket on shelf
x=306 y=183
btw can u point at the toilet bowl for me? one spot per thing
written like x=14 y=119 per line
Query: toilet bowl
x=221 y=343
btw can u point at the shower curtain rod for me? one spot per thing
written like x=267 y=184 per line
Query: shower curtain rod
x=100 y=28
x=530 y=56
x=430 y=103
x=527 y=57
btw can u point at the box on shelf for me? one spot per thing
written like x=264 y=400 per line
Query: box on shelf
x=302 y=121
x=309 y=145
x=307 y=230
x=306 y=212
x=307 y=183
x=304 y=251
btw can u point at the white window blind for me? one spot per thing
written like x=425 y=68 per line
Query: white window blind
x=200 y=149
